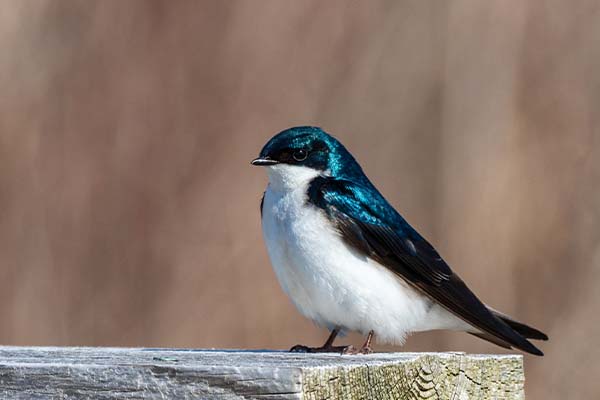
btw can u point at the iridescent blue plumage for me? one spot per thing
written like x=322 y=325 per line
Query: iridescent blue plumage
x=325 y=152
x=347 y=185
x=371 y=226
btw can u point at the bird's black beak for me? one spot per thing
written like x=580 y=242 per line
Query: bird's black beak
x=264 y=161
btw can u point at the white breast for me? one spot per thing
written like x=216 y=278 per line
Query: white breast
x=327 y=280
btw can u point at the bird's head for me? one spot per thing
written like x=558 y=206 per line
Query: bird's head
x=298 y=155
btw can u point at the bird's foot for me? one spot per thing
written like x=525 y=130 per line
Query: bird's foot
x=355 y=351
x=323 y=349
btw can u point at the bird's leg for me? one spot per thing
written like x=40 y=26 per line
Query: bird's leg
x=366 y=347
x=328 y=347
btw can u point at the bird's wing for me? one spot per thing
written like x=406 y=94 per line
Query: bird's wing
x=368 y=223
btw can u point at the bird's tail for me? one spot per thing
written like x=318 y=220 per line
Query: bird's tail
x=526 y=331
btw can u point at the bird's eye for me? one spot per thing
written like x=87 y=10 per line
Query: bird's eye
x=300 y=155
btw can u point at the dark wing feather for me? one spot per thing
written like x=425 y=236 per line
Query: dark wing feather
x=369 y=224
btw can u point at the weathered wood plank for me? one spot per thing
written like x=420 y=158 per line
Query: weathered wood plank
x=121 y=373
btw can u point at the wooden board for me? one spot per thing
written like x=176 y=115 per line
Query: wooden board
x=125 y=373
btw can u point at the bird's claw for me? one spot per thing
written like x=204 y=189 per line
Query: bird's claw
x=351 y=350
x=299 y=348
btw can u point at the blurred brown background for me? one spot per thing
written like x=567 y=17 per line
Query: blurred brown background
x=129 y=211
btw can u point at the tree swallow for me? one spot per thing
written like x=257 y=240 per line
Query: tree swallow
x=350 y=262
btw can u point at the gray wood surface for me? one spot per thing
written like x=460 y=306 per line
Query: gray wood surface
x=132 y=373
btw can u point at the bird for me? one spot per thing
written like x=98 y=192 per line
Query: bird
x=351 y=263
